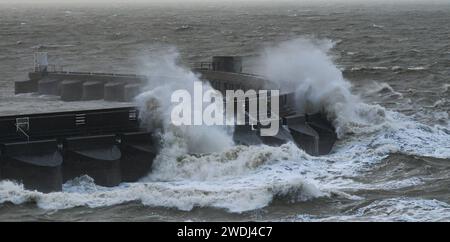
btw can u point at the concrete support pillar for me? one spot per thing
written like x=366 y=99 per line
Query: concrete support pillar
x=48 y=86
x=95 y=156
x=138 y=151
x=114 y=91
x=93 y=90
x=36 y=164
x=131 y=91
x=71 y=90
x=27 y=86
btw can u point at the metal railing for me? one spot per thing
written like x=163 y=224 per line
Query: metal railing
x=202 y=65
x=48 y=68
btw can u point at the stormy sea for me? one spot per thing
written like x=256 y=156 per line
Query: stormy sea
x=381 y=72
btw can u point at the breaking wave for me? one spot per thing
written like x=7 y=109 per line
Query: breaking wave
x=305 y=66
x=245 y=178
x=384 y=88
x=393 y=209
x=383 y=69
x=155 y=107
x=201 y=167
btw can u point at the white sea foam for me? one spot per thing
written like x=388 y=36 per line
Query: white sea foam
x=382 y=89
x=304 y=65
x=255 y=187
x=393 y=209
x=377 y=26
x=417 y=68
x=243 y=178
x=445 y=88
x=247 y=178
x=166 y=76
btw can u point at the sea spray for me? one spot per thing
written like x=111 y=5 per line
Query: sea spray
x=166 y=76
x=305 y=66
x=245 y=178
x=238 y=180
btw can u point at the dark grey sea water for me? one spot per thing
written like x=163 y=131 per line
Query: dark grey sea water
x=394 y=56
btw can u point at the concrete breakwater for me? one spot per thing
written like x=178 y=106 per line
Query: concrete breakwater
x=43 y=151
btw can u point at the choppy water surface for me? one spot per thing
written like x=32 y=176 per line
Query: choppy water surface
x=391 y=163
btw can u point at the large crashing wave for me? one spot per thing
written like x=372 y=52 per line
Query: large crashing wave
x=243 y=178
x=166 y=76
x=304 y=65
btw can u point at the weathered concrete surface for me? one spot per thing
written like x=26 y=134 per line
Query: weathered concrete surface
x=48 y=86
x=71 y=90
x=28 y=86
x=93 y=90
x=114 y=91
x=131 y=91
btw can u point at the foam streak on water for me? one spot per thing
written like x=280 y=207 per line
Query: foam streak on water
x=248 y=178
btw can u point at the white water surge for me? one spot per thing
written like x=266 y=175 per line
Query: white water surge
x=241 y=178
x=304 y=65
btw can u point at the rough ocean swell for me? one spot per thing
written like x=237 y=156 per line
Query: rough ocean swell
x=390 y=108
x=243 y=178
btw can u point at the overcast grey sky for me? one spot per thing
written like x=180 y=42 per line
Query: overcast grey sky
x=116 y=3
x=206 y=1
